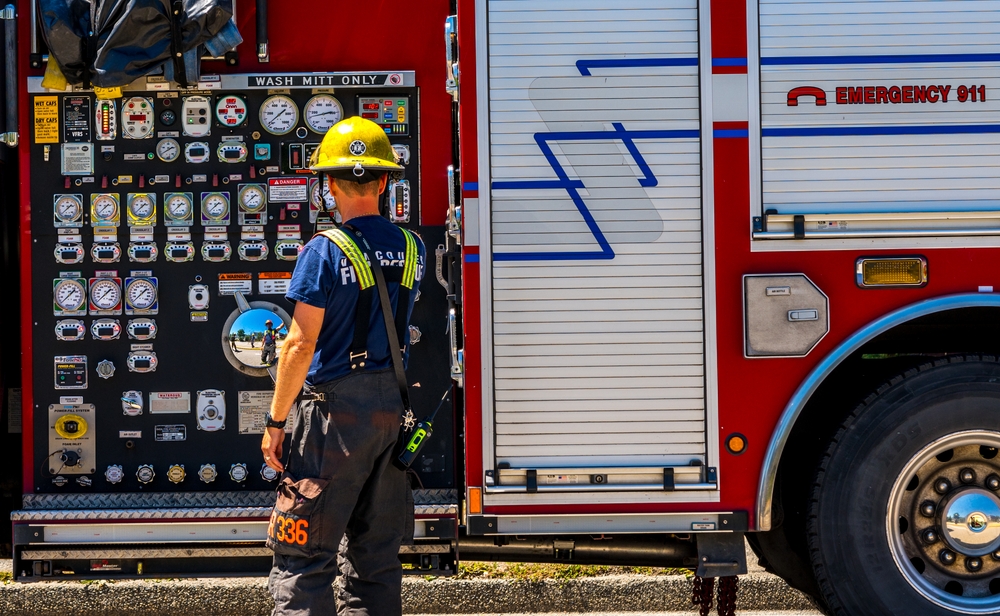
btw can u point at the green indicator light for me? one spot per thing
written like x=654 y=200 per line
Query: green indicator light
x=400 y=102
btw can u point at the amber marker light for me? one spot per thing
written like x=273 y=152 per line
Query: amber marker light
x=891 y=272
x=736 y=443
x=475 y=500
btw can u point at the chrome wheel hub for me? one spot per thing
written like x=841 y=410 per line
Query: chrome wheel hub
x=971 y=521
x=943 y=522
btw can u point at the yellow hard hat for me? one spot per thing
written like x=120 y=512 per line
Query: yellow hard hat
x=355 y=149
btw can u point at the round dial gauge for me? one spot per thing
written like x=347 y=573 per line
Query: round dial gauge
x=279 y=115
x=231 y=111
x=168 y=150
x=68 y=208
x=105 y=294
x=215 y=206
x=141 y=293
x=69 y=295
x=179 y=207
x=141 y=206
x=321 y=198
x=252 y=199
x=321 y=112
x=105 y=207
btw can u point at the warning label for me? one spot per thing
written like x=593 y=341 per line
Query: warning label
x=253 y=406
x=288 y=190
x=46 y=119
x=230 y=284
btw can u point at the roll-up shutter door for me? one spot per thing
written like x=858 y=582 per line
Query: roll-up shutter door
x=596 y=230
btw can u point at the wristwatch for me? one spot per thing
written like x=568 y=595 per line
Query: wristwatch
x=271 y=423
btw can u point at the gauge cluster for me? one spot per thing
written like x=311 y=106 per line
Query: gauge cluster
x=161 y=220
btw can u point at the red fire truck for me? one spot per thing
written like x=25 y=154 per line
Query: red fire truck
x=711 y=271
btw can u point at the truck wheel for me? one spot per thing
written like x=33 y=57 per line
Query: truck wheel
x=905 y=511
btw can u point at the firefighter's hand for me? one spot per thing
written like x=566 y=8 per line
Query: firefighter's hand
x=271 y=446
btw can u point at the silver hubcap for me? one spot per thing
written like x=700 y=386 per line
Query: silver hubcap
x=971 y=521
x=943 y=522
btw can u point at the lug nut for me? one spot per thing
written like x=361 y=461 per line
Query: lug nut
x=967 y=475
x=947 y=557
x=973 y=564
x=942 y=486
x=927 y=508
x=929 y=536
x=996 y=555
x=993 y=482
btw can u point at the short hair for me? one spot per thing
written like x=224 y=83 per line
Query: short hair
x=354 y=189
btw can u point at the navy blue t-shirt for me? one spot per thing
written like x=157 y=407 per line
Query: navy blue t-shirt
x=325 y=278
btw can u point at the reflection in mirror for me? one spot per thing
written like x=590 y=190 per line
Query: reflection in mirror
x=256 y=338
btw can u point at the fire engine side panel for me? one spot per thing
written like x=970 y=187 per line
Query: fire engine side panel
x=863 y=110
x=595 y=207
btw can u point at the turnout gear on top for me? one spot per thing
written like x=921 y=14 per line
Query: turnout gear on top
x=355 y=149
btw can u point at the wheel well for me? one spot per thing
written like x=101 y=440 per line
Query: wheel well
x=961 y=331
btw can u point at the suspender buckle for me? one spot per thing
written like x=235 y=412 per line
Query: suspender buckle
x=358 y=364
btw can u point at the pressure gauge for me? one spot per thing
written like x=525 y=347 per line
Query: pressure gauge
x=137 y=117
x=141 y=207
x=67 y=209
x=178 y=206
x=320 y=198
x=252 y=198
x=69 y=295
x=140 y=294
x=104 y=209
x=321 y=112
x=168 y=150
x=214 y=207
x=231 y=111
x=105 y=294
x=279 y=115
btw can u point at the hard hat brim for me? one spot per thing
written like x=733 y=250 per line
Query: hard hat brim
x=367 y=163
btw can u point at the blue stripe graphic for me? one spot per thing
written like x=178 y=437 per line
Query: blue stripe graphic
x=838 y=131
x=730 y=133
x=470 y=186
x=584 y=66
x=563 y=181
x=471 y=258
x=729 y=61
x=943 y=58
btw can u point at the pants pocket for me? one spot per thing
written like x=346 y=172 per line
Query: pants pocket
x=296 y=523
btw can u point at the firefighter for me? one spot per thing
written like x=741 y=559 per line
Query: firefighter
x=339 y=482
x=268 y=351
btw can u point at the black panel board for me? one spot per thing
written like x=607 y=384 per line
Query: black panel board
x=190 y=354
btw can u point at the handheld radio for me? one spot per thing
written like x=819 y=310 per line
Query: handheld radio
x=418 y=438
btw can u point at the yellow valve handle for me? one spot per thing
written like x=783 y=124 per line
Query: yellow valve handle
x=71 y=427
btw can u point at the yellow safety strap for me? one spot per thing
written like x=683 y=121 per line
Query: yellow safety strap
x=410 y=262
x=354 y=254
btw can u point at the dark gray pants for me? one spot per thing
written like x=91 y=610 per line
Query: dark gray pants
x=341 y=504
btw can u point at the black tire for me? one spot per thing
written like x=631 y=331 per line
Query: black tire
x=849 y=540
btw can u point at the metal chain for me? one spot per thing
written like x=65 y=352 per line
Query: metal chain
x=727 y=595
x=702 y=594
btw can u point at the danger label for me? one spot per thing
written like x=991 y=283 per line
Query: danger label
x=288 y=190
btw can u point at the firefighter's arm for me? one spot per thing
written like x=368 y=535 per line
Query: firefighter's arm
x=296 y=356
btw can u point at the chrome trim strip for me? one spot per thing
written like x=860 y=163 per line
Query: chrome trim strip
x=798 y=401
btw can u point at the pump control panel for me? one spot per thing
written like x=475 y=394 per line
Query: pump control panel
x=165 y=226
